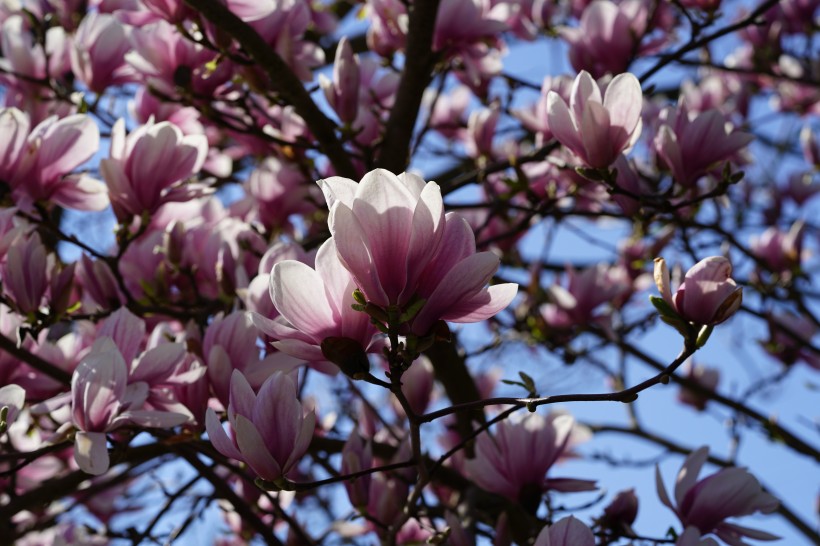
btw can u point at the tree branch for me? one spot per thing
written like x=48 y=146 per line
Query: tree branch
x=419 y=60
x=282 y=79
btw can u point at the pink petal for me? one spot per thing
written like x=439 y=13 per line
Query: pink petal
x=81 y=192
x=293 y=287
x=623 y=100
x=338 y=189
x=67 y=144
x=218 y=438
x=561 y=123
x=688 y=475
x=461 y=283
x=126 y=330
x=91 y=453
x=483 y=305
x=253 y=450
x=353 y=248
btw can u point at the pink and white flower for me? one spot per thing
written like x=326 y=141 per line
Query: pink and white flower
x=146 y=167
x=597 y=129
x=706 y=503
x=393 y=237
x=514 y=461
x=270 y=431
x=707 y=295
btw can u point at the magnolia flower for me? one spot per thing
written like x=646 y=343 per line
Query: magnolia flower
x=98 y=52
x=586 y=291
x=620 y=514
x=270 y=430
x=12 y=399
x=26 y=272
x=103 y=400
x=357 y=455
x=690 y=144
x=780 y=251
x=568 y=531
x=597 y=129
x=691 y=537
x=707 y=296
x=316 y=322
x=342 y=92
x=145 y=167
x=705 y=504
x=790 y=339
x=515 y=460
x=37 y=162
x=607 y=37
x=393 y=237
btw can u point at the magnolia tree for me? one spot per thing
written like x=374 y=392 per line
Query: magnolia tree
x=294 y=272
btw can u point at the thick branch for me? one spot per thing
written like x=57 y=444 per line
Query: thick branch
x=283 y=80
x=419 y=60
x=39 y=364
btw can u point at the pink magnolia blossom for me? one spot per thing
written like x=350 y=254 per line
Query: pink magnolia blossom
x=707 y=503
x=480 y=132
x=417 y=385
x=12 y=400
x=568 y=531
x=145 y=167
x=514 y=461
x=707 y=295
x=316 y=322
x=173 y=11
x=781 y=251
x=31 y=54
x=391 y=233
x=467 y=31
x=597 y=130
x=448 y=111
x=37 y=163
x=357 y=455
x=790 y=339
x=691 y=536
x=536 y=117
x=102 y=400
x=98 y=284
x=270 y=431
x=620 y=514
x=342 y=92
x=608 y=36
x=26 y=273
x=230 y=344
x=578 y=304
x=283 y=25
x=388 y=26
x=526 y=18
x=692 y=144
x=169 y=62
x=276 y=190
x=98 y=52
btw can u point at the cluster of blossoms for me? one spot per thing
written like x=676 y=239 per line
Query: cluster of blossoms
x=211 y=326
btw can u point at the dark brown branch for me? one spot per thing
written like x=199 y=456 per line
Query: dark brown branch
x=626 y=395
x=419 y=61
x=39 y=364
